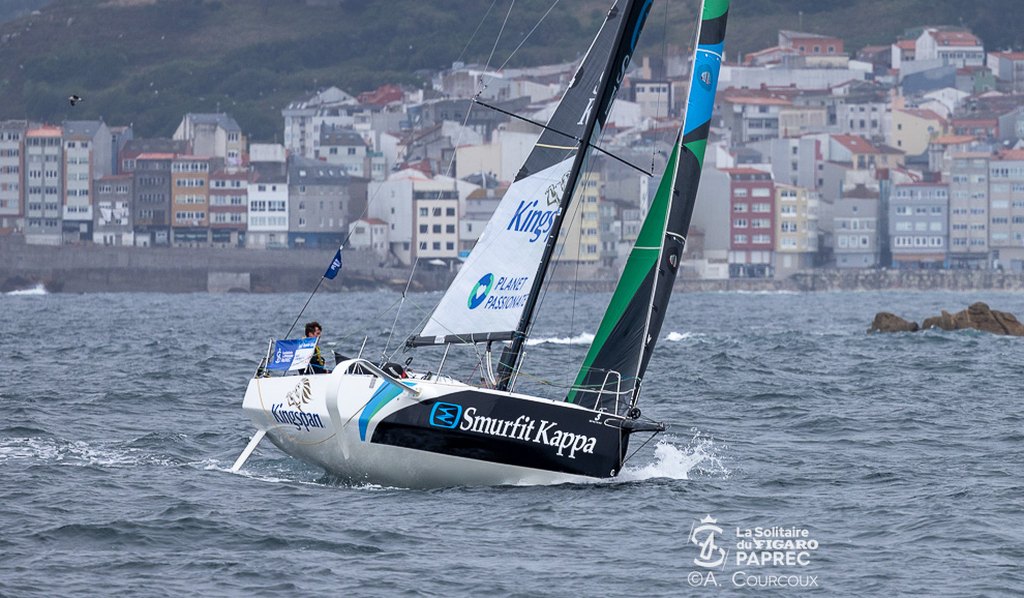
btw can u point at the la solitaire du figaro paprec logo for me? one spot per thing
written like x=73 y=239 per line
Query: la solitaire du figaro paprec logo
x=764 y=557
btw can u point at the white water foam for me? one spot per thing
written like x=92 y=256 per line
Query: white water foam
x=81 y=454
x=579 y=339
x=675 y=337
x=39 y=289
x=672 y=461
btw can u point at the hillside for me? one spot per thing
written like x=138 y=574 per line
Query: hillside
x=147 y=62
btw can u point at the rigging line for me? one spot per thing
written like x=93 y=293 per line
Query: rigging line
x=487 y=65
x=664 y=62
x=552 y=7
x=640 y=447
x=477 y=30
x=573 y=137
x=384 y=353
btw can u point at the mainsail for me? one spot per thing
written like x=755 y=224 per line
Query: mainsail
x=615 y=364
x=492 y=296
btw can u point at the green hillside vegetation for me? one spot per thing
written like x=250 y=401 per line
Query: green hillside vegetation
x=147 y=63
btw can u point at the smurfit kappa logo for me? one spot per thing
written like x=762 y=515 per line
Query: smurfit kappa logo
x=481 y=289
x=445 y=415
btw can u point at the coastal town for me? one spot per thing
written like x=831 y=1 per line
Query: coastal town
x=907 y=156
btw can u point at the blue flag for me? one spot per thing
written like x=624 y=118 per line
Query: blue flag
x=291 y=354
x=335 y=266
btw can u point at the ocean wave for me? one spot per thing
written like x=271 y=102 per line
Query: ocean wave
x=39 y=289
x=579 y=339
x=675 y=337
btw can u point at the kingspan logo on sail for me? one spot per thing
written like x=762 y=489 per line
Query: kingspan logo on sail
x=524 y=428
x=532 y=221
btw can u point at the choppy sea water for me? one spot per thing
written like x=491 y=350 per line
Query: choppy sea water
x=900 y=456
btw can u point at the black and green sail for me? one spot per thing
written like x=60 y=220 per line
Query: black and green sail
x=613 y=370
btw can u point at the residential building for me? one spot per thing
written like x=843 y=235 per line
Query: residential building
x=133 y=148
x=752 y=229
x=949 y=47
x=855 y=228
x=913 y=129
x=796 y=229
x=751 y=115
x=811 y=44
x=43 y=185
x=229 y=207
x=322 y=200
x=1008 y=67
x=113 y=210
x=304 y=117
x=12 y=147
x=1006 y=202
x=581 y=239
x=918 y=217
x=268 y=207
x=151 y=197
x=119 y=138
x=477 y=211
x=422 y=212
x=87 y=156
x=968 y=210
x=213 y=135
x=654 y=96
x=861 y=154
x=345 y=148
x=869 y=119
x=369 y=234
x=190 y=200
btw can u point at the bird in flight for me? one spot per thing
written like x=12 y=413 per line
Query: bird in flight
x=73 y=99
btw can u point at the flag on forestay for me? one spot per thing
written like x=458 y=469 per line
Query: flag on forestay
x=335 y=266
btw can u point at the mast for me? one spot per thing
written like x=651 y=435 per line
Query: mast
x=629 y=330
x=632 y=19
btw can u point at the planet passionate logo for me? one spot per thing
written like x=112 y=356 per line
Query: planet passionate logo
x=481 y=289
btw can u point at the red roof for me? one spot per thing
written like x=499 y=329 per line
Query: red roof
x=856 y=144
x=744 y=170
x=923 y=113
x=955 y=38
x=1014 y=154
x=44 y=131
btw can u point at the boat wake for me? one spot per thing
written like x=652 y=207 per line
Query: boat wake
x=55 y=451
x=39 y=289
x=584 y=338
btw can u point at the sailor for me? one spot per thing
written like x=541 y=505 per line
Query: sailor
x=317 y=365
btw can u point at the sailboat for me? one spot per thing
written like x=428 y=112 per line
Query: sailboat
x=368 y=423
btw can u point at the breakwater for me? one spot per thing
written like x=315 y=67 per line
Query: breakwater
x=94 y=269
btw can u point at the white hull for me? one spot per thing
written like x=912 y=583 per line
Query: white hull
x=369 y=427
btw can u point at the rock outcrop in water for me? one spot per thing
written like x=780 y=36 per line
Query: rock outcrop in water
x=887 y=322
x=978 y=316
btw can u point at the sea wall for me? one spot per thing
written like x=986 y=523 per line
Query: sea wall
x=91 y=269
